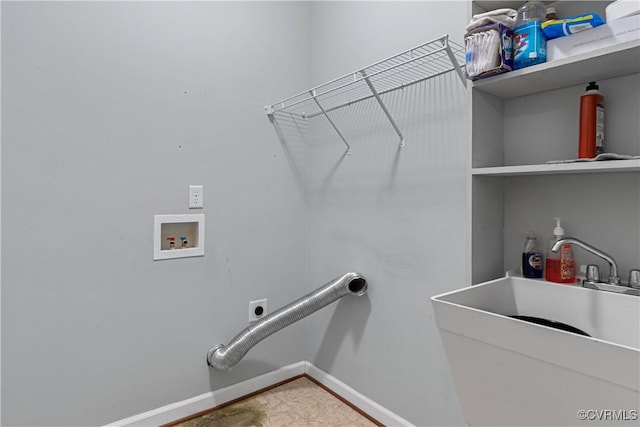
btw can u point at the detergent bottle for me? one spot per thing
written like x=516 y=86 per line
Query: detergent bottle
x=529 y=42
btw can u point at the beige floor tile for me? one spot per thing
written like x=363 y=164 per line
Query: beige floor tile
x=299 y=403
x=297 y=390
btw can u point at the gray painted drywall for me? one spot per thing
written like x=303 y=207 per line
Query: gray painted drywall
x=109 y=111
x=615 y=232
x=398 y=215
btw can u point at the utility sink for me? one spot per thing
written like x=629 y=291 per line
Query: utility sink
x=513 y=372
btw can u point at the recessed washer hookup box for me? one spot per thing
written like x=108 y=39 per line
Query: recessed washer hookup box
x=609 y=34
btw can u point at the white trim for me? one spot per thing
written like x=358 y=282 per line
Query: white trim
x=184 y=408
x=360 y=401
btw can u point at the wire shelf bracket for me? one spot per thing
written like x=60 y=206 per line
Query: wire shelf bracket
x=423 y=62
x=315 y=98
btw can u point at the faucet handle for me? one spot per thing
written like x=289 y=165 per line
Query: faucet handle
x=634 y=278
x=593 y=276
x=593 y=273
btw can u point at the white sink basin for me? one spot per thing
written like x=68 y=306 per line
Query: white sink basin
x=512 y=372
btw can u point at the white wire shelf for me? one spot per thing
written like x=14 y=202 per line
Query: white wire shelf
x=429 y=60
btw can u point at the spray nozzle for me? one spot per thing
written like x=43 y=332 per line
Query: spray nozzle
x=558 y=230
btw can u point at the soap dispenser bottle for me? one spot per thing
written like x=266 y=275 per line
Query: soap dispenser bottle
x=531 y=258
x=559 y=266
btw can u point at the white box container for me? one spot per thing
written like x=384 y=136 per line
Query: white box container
x=621 y=9
x=610 y=34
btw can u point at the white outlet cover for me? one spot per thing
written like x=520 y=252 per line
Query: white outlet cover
x=196 y=196
x=252 y=307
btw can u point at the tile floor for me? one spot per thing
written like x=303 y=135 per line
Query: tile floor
x=298 y=403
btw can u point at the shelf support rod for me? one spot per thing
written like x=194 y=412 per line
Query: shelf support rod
x=313 y=95
x=454 y=61
x=384 y=107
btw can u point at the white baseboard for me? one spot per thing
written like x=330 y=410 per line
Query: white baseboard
x=360 y=401
x=184 y=408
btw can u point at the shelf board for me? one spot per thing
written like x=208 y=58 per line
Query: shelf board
x=561 y=168
x=612 y=61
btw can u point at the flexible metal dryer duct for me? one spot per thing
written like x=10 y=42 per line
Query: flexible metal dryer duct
x=225 y=357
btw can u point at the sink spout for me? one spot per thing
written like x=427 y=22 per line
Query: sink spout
x=613 y=266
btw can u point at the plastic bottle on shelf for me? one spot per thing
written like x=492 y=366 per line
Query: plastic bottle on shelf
x=529 y=43
x=551 y=14
x=559 y=266
x=591 y=134
x=531 y=258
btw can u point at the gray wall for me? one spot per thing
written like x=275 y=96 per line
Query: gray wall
x=589 y=209
x=110 y=110
x=397 y=215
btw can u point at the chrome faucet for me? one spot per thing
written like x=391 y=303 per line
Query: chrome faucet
x=593 y=276
x=614 y=279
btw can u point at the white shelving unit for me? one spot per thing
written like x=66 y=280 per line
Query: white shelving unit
x=614 y=61
x=632 y=165
x=423 y=62
x=515 y=190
